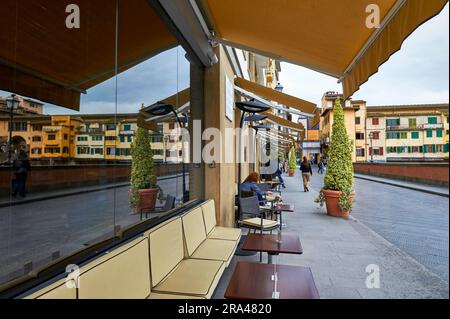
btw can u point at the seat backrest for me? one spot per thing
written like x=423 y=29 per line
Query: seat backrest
x=62 y=289
x=123 y=273
x=194 y=229
x=166 y=249
x=249 y=205
x=170 y=203
x=209 y=215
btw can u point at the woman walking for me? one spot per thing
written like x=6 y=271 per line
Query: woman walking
x=306 y=170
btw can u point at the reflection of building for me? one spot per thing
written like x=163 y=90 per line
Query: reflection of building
x=88 y=137
x=390 y=133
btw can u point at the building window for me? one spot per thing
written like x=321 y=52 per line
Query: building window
x=36 y=150
x=376 y=151
x=37 y=127
x=52 y=150
x=110 y=127
x=97 y=138
x=429 y=133
x=96 y=151
x=375 y=121
x=127 y=127
x=19 y=126
x=360 y=136
x=439 y=148
x=376 y=135
x=403 y=135
x=130 y=139
x=37 y=139
x=439 y=133
x=432 y=120
x=392 y=135
x=66 y=137
x=122 y=139
x=51 y=137
x=446 y=148
x=357 y=120
x=414 y=135
x=171 y=126
x=82 y=138
x=412 y=122
x=65 y=150
x=392 y=122
x=110 y=138
x=110 y=151
x=83 y=150
x=360 y=152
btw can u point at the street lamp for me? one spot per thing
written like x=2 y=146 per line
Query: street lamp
x=162 y=109
x=166 y=140
x=279 y=87
x=371 y=146
x=12 y=104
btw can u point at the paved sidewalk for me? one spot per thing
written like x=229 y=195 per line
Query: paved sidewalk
x=436 y=190
x=339 y=250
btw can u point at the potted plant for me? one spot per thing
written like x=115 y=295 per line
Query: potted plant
x=337 y=192
x=292 y=162
x=144 y=188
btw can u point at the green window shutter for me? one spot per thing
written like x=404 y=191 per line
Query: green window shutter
x=122 y=139
x=434 y=148
x=446 y=148
x=130 y=138
x=432 y=120
x=127 y=127
x=397 y=121
x=439 y=133
x=429 y=133
x=415 y=135
x=425 y=149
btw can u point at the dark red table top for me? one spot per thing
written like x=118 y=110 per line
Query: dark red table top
x=290 y=243
x=254 y=281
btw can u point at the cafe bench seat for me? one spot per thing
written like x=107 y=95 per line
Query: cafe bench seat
x=217 y=232
x=57 y=290
x=199 y=246
x=256 y=222
x=172 y=273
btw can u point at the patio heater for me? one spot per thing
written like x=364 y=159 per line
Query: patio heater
x=252 y=108
x=12 y=104
x=163 y=109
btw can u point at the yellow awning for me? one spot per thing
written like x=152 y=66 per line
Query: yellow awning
x=283 y=122
x=273 y=95
x=328 y=36
x=41 y=58
x=316 y=119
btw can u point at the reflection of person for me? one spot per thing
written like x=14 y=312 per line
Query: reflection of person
x=250 y=184
x=320 y=167
x=280 y=177
x=21 y=166
x=306 y=169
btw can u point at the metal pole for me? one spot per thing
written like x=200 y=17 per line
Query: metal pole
x=371 y=147
x=11 y=115
x=241 y=125
x=185 y=199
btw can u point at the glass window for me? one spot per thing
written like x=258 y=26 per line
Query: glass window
x=439 y=133
x=37 y=138
x=415 y=135
x=412 y=122
x=375 y=121
x=429 y=133
x=357 y=120
x=403 y=135
x=51 y=137
x=432 y=120
x=392 y=122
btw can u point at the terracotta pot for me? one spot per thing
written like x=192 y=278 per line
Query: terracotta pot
x=291 y=172
x=147 y=199
x=332 y=202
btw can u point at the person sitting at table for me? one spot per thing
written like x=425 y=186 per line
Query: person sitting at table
x=250 y=184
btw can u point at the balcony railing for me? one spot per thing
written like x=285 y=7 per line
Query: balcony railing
x=51 y=129
x=414 y=127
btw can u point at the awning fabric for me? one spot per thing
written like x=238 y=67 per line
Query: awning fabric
x=41 y=58
x=316 y=119
x=273 y=95
x=283 y=122
x=325 y=36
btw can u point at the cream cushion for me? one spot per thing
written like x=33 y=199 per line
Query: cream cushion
x=216 y=249
x=256 y=222
x=194 y=277
x=209 y=215
x=194 y=229
x=123 y=273
x=226 y=233
x=57 y=290
x=172 y=296
x=166 y=249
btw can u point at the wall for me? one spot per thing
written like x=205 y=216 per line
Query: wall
x=428 y=173
x=45 y=178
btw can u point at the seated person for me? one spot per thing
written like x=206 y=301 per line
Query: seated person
x=250 y=184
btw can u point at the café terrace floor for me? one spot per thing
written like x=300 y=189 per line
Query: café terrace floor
x=339 y=250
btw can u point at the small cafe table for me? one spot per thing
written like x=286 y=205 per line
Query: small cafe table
x=263 y=281
x=289 y=244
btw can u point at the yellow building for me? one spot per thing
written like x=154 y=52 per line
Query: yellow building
x=58 y=139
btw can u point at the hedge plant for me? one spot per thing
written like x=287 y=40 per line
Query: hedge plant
x=142 y=166
x=339 y=173
x=292 y=159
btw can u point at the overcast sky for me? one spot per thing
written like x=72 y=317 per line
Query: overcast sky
x=417 y=74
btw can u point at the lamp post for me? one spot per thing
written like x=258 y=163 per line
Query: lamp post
x=371 y=146
x=162 y=109
x=12 y=104
x=166 y=140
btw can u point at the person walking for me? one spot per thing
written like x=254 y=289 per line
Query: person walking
x=305 y=168
x=320 y=164
x=280 y=177
x=21 y=166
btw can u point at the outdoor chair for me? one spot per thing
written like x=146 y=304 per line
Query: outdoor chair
x=252 y=217
x=168 y=205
